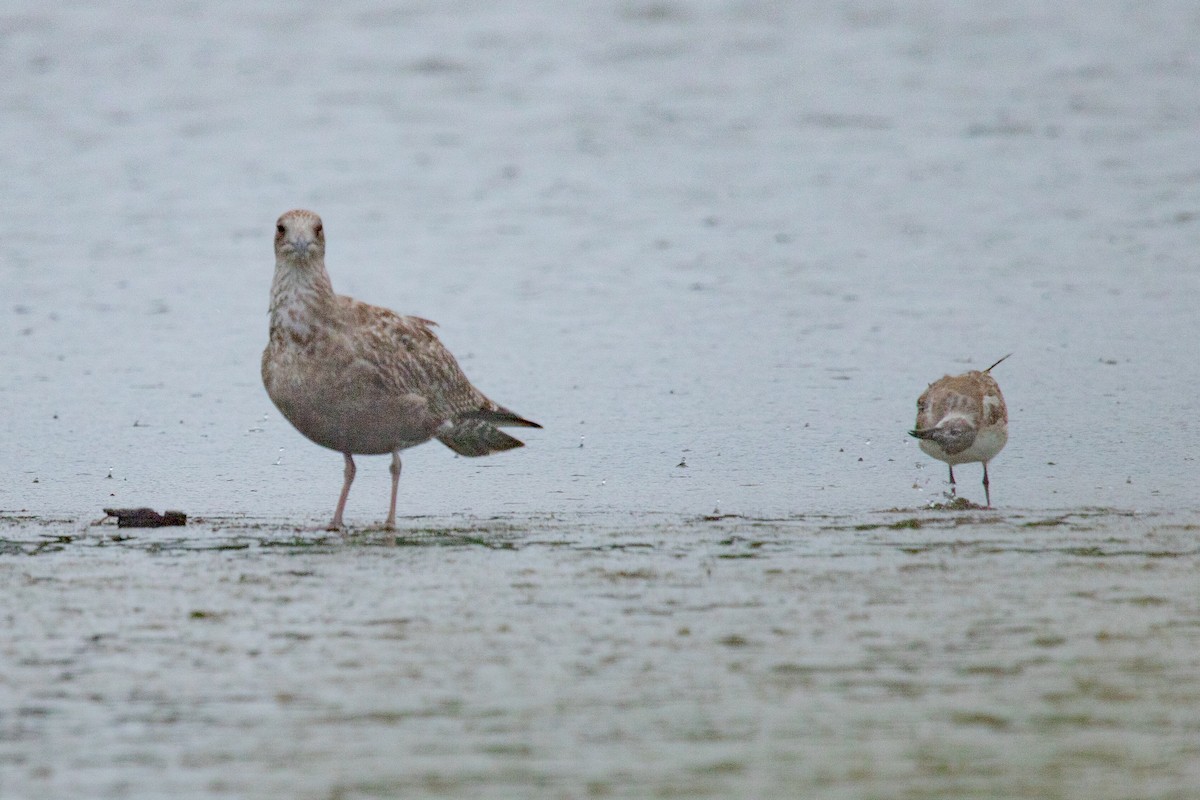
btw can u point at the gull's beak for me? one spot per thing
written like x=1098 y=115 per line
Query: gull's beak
x=301 y=245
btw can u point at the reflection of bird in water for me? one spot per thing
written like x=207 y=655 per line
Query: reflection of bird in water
x=361 y=379
x=963 y=418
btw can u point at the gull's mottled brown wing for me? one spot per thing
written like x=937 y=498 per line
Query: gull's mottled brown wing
x=408 y=358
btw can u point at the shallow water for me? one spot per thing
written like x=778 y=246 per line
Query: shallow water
x=717 y=249
x=950 y=655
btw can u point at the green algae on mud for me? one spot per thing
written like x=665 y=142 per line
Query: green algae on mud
x=467 y=529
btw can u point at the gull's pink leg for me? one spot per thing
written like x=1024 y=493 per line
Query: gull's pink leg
x=952 y=492
x=336 y=524
x=395 y=470
x=987 y=494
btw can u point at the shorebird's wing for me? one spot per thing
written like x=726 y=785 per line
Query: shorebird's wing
x=950 y=414
x=953 y=435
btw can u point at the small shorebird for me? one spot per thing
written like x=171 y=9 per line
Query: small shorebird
x=361 y=379
x=962 y=418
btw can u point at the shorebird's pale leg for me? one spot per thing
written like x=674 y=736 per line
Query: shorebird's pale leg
x=952 y=492
x=336 y=524
x=395 y=470
x=987 y=495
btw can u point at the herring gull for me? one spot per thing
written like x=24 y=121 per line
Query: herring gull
x=360 y=379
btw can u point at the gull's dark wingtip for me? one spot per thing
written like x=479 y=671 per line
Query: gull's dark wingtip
x=499 y=415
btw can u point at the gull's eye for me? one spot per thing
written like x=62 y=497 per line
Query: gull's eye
x=280 y=230
x=320 y=231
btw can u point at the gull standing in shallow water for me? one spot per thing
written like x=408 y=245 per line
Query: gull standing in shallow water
x=963 y=418
x=361 y=379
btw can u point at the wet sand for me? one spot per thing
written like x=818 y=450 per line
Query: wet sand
x=977 y=654
x=718 y=250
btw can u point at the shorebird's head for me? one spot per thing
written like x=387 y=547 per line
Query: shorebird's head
x=299 y=235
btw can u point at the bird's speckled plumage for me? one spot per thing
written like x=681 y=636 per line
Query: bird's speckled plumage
x=361 y=379
x=963 y=418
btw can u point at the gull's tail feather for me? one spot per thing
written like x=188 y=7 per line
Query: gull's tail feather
x=477 y=437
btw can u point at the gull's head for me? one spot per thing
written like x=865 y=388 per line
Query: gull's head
x=299 y=235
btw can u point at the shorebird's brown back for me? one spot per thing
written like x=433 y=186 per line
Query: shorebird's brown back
x=964 y=394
